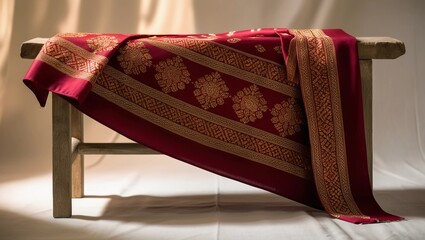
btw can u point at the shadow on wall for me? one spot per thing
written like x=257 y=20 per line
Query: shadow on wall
x=25 y=128
x=234 y=15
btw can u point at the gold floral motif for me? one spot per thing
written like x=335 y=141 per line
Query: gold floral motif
x=234 y=40
x=260 y=48
x=287 y=117
x=102 y=43
x=249 y=104
x=243 y=62
x=71 y=35
x=211 y=90
x=134 y=57
x=278 y=49
x=172 y=75
x=202 y=126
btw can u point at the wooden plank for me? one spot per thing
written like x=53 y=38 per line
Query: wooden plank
x=31 y=48
x=379 y=48
x=368 y=47
x=366 y=77
x=114 y=148
x=61 y=123
x=77 y=132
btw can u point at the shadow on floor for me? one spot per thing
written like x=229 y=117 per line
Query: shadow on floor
x=240 y=208
x=403 y=202
x=201 y=209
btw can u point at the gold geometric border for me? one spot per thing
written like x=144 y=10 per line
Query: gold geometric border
x=78 y=50
x=125 y=103
x=320 y=87
x=226 y=68
x=60 y=66
x=206 y=115
x=71 y=59
x=231 y=56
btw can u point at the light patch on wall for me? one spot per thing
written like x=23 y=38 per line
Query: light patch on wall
x=70 y=23
x=162 y=17
x=6 y=22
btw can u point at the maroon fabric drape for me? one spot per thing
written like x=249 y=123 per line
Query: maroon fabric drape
x=279 y=109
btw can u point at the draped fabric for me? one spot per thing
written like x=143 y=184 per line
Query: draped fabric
x=278 y=109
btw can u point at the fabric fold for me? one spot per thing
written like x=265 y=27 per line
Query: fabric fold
x=71 y=75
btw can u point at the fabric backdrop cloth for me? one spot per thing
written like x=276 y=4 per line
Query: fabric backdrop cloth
x=278 y=109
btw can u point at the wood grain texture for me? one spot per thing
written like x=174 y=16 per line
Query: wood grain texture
x=380 y=48
x=31 y=48
x=114 y=148
x=61 y=123
x=366 y=76
x=77 y=132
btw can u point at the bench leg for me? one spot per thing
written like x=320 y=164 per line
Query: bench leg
x=77 y=132
x=366 y=75
x=61 y=122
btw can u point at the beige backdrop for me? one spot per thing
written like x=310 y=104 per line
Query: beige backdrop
x=399 y=85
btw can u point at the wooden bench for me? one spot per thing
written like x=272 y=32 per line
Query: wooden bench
x=69 y=147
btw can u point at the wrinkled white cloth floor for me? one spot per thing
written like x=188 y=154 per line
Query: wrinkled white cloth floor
x=156 y=197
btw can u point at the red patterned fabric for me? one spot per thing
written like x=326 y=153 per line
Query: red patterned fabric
x=278 y=109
